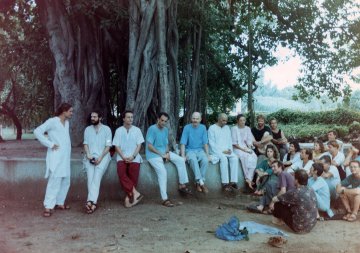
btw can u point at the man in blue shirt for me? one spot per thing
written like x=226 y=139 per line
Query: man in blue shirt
x=194 y=141
x=157 y=153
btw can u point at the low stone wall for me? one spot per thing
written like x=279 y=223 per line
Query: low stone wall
x=23 y=178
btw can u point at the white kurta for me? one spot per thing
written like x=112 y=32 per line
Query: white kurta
x=57 y=161
x=97 y=141
x=127 y=141
x=219 y=139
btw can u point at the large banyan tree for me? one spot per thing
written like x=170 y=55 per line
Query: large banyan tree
x=94 y=46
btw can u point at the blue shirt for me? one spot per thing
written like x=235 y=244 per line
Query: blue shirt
x=158 y=138
x=194 y=138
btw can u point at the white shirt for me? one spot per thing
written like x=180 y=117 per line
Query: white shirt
x=127 y=141
x=219 y=139
x=98 y=141
x=339 y=158
x=299 y=165
x=57 y=161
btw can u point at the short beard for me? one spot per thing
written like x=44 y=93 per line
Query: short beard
x=95 y=123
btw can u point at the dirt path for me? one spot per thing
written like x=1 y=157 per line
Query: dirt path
x=150 y=227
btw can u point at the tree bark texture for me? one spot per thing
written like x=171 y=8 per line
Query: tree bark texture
x=153 y=82
x=76 y=44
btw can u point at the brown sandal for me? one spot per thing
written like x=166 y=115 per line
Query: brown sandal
x=47 y=213
x=168 y=203
x=62 y=207
x=352 y=217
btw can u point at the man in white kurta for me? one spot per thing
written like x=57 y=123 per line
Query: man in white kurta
x=220 y=143
x=97 y=143
x=127 y=141
x=58 y=157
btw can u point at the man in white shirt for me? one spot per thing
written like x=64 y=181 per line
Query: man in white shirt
x=57 y=159
x=97 y=143
x=220 y=143
x=127 y=142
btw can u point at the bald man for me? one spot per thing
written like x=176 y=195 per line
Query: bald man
x=220 y=143
x=194 y=149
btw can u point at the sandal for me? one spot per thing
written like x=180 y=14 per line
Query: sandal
x=352 y=217
x=92 y=209
x=88 y=205
x=47 y=213
x=346 y=216
x=168 y=203
x=185 y=191
x=62 y=207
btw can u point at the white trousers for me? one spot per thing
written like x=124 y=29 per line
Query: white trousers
x=94 y=176
x=158 y=165
x=225 y=161
x=56 y=191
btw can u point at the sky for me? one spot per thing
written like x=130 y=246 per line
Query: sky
x=286 y=72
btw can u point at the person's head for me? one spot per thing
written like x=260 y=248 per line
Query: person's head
x=319 y=146
x=301 y=177
x=326 y=161
x=306 y=154
x=333 y=147
x=128 y=117
x=163 y=118
x=222 y=119
x=294 y=147
x=355 y=148
x=95 y=117
x=260 y=120
x=355 y=168
x=277 y=166
x=317 y=169
x=271 y=152
x=241 y=120
x=332 y=135
x=196 y=118
x=64 y=110
x=273 y=123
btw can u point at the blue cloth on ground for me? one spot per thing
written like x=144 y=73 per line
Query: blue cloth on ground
x=230 y=231
x=254 y=227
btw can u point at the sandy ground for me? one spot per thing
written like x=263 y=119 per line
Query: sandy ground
x=150 y=227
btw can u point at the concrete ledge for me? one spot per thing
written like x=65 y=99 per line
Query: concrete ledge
x=23 y=178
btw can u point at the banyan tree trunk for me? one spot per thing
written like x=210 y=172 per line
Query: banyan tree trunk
x=76 y=44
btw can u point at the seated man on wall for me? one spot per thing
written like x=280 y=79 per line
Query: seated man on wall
x=297 y=207
x=194 y=141
x=157 y=153
x=349 y=191
x=221 y=148
x=262 y=135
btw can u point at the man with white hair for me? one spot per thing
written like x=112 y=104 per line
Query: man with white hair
x=194 y=141
x=220 y=142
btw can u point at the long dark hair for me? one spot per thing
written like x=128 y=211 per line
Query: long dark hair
x=64 y=107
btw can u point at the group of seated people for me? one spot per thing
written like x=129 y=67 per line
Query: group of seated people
x=297 y=185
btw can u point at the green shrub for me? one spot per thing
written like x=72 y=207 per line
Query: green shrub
x=309 y=132
x=340 y=116
x=354 y=127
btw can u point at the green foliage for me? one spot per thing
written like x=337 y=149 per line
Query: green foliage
x=308 y=132
x=339 y=116
x=354 y=127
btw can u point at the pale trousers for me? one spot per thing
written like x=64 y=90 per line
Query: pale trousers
x=159 y=167
x=94 y=176
x=56 y=191
x=194 y=158
x=225 y=161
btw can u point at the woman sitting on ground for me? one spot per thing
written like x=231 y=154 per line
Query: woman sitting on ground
x=353 y=154
x=264 y=171
x=243 y=140
x=305 y=163
x=293 y=156
x=318 y=151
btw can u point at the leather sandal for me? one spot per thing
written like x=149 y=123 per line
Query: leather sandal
x=62 y=207
x=352 y=217
x=168 y=203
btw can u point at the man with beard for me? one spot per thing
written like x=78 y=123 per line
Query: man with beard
x=262 y=135
x=127 y=142
x=97 y=143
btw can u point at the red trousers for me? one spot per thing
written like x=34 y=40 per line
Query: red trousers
x=128 y=175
